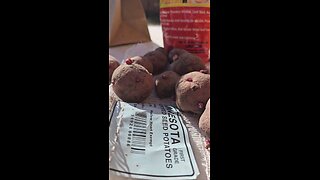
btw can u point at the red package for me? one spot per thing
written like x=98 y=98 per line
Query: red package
x=186 y=25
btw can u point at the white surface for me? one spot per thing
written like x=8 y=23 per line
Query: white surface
x=156 y=34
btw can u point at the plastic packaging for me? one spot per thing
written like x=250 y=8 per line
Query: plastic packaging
x=186 y=25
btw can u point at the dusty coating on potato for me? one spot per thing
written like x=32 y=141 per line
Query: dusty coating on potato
x=208 y=67
x=158 y=59
x=161 y=49
x=184 y=62
x=175 y=53
x=165 y=84
x=143 y=62
x=193 y=91
x=204 y=121
x=132 y=83
x=113 y=64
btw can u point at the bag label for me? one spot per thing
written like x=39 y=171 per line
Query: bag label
x=149 y=141
x=186 y=26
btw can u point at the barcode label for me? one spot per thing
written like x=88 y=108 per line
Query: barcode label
x=138 y=143
x=150 y=142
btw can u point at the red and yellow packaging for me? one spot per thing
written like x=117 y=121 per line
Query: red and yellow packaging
x=186 y=25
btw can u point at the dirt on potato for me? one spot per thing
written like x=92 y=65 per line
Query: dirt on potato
x=208 y=67
x=175 y=53
x=204 y=121
x=165 y=84
x=161 y=49
x=143 y=62
x=192 y=92
x=132 y=83
x=158 y=59
x=184 y=62
x=113 y=64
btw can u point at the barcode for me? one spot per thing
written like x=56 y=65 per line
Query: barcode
x=138 y=145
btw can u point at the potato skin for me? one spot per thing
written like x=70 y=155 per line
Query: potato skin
x=143 y=62
x=158 y=59
x=165 y=84
x=113 y=64
x=175 y=53
x=132 y=83
x=161 y=49
x=204 y=121
x=184 y=62
x=192 y=92
x=208 y=67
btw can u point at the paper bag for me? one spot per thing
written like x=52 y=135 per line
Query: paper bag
x=127 y=22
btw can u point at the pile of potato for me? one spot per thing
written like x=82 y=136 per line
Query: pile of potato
x=176 y=73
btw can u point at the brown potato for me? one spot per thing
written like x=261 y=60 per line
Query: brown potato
x=185 y=62
x=132 y=83
x=165 y=84
x=193 y=91
x=113 y=64
x=161 y=49
x=143 y=62
x=204 y=121
x=208 y=67
x=175 y=53
x=158 y=59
